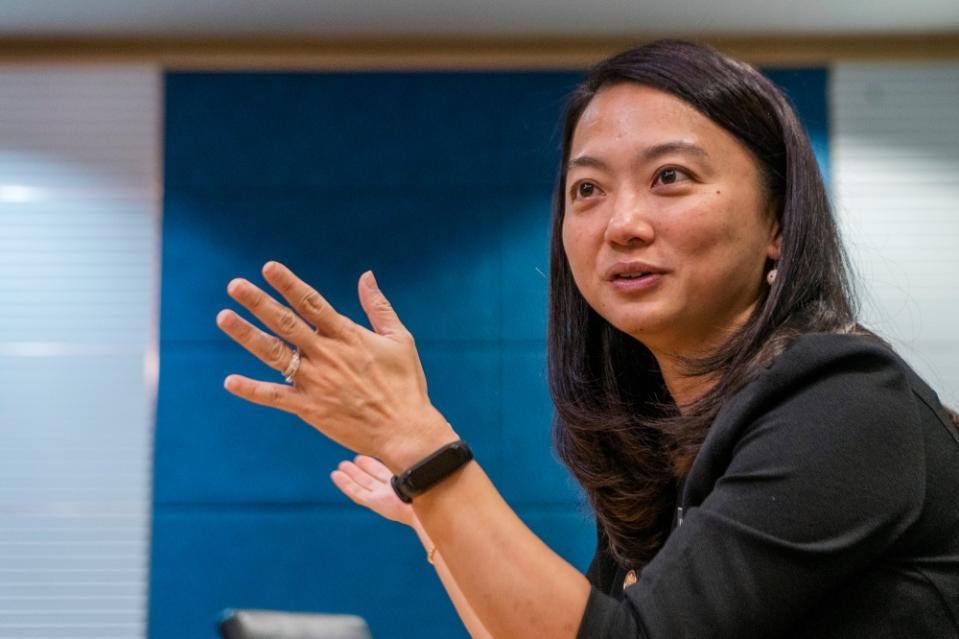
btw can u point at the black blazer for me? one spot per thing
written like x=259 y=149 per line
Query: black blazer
x=823 y=504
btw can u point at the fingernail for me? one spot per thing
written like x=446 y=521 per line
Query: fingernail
x=371 y=280
x=269 y=266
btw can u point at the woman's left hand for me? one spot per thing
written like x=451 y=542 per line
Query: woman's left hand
x=363 y=389
x=366 y=481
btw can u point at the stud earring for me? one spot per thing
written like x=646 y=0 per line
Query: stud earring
x=771 y=276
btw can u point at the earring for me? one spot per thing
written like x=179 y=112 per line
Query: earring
x=771 y=276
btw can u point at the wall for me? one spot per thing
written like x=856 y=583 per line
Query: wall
x=896 y=148
x=897 y=215
x=441 y=183
x=426 y=180
x=79 y=246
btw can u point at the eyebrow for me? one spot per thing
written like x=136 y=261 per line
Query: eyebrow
x=647 y=155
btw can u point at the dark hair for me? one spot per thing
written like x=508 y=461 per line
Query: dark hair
x=616 y=427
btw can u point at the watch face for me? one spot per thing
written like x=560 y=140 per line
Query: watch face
x=437 y=466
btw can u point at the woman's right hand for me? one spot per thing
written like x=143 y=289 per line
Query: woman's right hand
x=366 y=481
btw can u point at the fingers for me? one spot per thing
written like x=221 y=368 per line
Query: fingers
x=348 y=487
x=312 y=306
x=263 y=393
x=383 y=318
x=374 y=467
x=270 y=350
x=280 y=319
x=358 y=475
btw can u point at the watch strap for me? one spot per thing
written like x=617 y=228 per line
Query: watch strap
x=431 y=470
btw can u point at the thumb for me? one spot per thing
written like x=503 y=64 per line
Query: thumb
x=378 y=309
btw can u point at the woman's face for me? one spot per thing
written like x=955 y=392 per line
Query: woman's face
x=666 y=227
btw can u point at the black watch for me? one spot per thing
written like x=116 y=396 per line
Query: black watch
x=425 y=474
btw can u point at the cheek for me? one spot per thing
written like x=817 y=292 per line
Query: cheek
x=697 y=232
x=721 y=248
x=575 y=242
x=579 y=244
x=706 y=243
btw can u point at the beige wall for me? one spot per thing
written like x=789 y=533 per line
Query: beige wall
x=449 y=53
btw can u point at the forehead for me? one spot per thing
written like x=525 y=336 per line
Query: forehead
x=630 y=112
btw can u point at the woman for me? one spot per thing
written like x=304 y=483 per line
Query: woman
x=758 y=464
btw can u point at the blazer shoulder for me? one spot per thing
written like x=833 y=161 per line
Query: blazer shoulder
x=824 y=386
x=827 y=367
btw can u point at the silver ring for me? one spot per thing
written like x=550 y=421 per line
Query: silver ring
x=290 y=371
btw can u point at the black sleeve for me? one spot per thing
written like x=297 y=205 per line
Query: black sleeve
x=602 y=569
x=825 y=473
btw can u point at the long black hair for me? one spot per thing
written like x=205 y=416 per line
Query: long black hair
x=616 y=427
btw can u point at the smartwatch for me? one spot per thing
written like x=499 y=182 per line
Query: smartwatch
x=425 y=474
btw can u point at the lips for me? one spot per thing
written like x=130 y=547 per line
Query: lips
x=634 y=278
x=631 y=270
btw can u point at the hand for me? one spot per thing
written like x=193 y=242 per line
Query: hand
x=367 y=482
x=363 y=389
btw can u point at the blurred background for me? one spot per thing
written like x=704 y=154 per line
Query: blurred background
x=152 y=150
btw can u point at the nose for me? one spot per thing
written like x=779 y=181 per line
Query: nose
x=629 y=222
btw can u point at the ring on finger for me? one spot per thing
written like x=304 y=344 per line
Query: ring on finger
x=291 y=369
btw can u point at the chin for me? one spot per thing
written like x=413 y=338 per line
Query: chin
x=640 y=321
x=642 y=329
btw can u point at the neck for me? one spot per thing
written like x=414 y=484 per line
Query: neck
x=683 y=388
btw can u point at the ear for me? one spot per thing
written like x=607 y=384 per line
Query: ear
x=775 y=247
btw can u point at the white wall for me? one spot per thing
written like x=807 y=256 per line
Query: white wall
x=895 y=159
x=79 y=236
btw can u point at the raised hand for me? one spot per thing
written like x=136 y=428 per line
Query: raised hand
x=367 y=482
x=363 y=389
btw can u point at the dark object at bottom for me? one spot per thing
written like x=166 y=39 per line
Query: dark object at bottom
x=270 y=624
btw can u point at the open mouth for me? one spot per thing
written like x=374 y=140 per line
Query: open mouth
x=636 y=281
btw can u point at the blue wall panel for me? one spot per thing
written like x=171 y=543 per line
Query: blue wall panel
x=530 y=472
x=388 y=130
x=215 y=449
x=441 y=245
x=806 y=90
x=340 y=560
x=439 y=182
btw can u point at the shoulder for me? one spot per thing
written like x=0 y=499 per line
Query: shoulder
x=832 y=409
x=829 y=377
x=809 y=476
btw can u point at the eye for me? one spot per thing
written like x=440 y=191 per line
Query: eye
x=584 y=189
x=670 y=175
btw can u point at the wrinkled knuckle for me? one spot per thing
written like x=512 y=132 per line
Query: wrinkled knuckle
x=287 y=322
x=277 y=350
x=311 y=301
x=274 y=395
